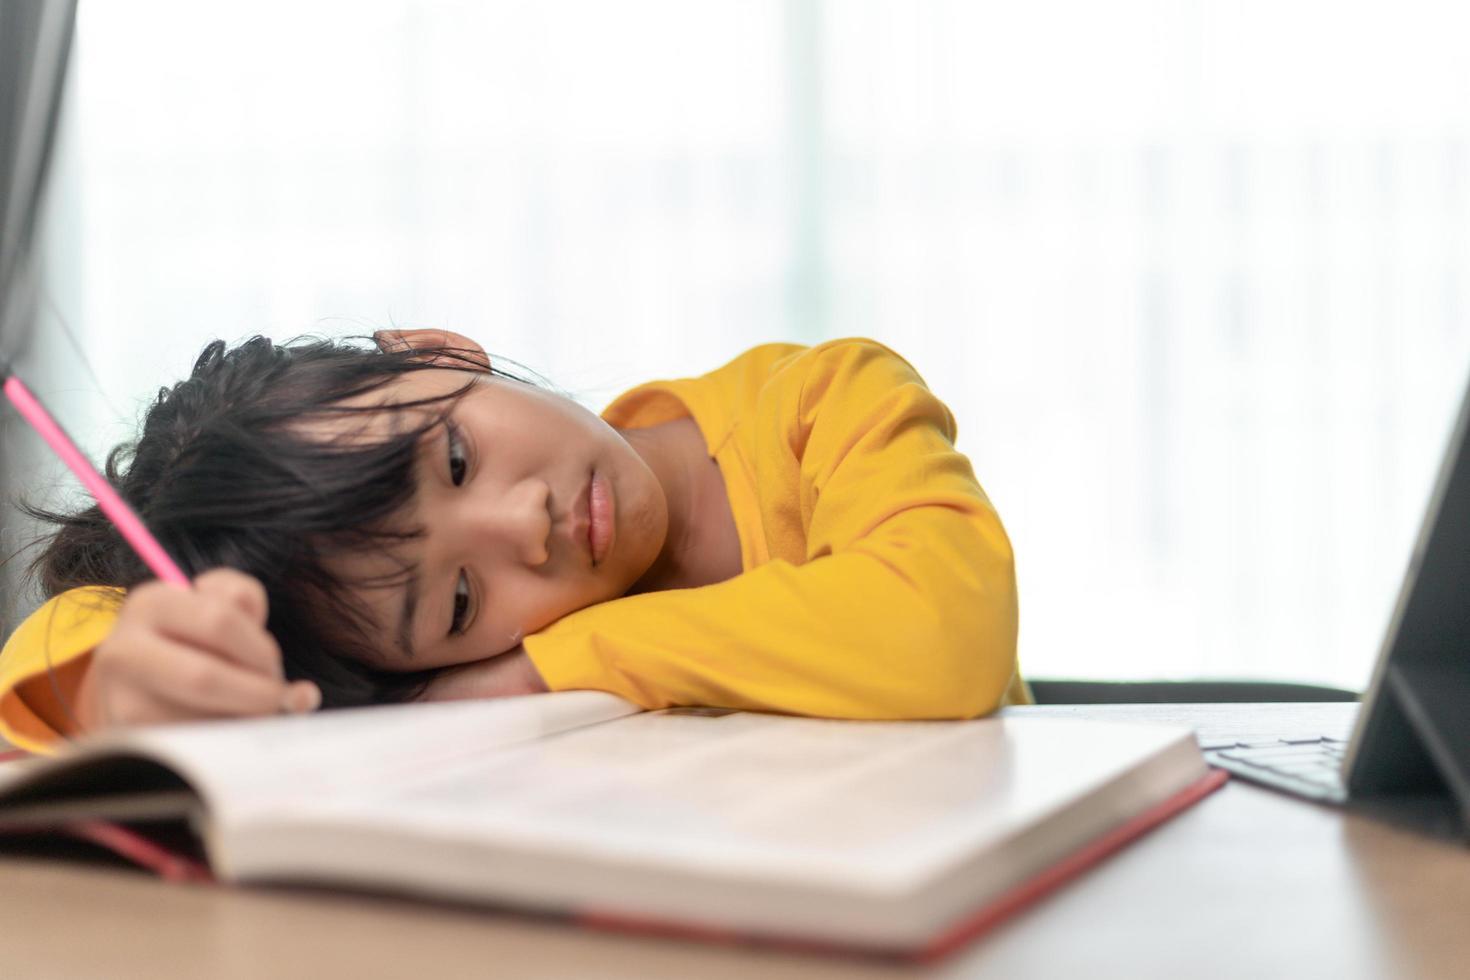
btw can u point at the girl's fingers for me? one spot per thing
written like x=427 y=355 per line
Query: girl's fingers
x=191 y=683
x=217 y=624
x=465 y=352
x=178 y=654
x=237 y=588
x=301 y=697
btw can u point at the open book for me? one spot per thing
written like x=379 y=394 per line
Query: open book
x=903 y=837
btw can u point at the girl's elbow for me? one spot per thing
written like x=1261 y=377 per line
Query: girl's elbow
x=981 y=652
x=977 y=686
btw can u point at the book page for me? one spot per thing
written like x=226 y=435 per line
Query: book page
x=738 y=794
x=244 y=766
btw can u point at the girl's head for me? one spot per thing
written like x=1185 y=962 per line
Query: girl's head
x=406 y=505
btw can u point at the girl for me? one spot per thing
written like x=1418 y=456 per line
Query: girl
x=791 y=532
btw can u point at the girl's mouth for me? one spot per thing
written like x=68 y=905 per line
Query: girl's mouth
x=601 y=520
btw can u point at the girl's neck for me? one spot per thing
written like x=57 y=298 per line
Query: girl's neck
x=701 y=546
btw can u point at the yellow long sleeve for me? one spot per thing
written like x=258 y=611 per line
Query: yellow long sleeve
x=56 y=639
x=879 y=582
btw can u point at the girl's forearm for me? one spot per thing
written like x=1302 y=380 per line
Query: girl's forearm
x=501 y=676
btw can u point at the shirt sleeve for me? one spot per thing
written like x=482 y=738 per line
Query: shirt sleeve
x=904 y=608
x=44 y=661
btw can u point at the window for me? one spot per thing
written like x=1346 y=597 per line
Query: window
x=1194 y=277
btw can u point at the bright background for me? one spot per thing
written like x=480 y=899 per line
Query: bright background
x=1194 y=277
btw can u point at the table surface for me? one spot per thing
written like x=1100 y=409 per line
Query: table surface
x=1247 y=883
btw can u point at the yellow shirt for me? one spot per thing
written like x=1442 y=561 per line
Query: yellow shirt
x=877 y=580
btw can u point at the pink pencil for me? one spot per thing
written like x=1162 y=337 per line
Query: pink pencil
x=112 y=505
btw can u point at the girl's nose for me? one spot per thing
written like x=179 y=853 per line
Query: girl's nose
x=519 y=522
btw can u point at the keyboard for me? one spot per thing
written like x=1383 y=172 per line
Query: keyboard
x=1298 y=748
x=1307 y=765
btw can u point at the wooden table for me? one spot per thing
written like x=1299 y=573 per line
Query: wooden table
x=1247 y=884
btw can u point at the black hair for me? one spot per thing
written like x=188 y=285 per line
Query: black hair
x=227 y=472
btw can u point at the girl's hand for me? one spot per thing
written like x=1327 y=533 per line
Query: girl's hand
x=180 y=654
x=496 y=677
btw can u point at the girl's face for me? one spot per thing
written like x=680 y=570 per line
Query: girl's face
x=530 y=507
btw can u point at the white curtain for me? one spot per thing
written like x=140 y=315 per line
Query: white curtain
x=1194 y=277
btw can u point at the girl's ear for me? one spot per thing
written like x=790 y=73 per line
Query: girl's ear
x=392 y=341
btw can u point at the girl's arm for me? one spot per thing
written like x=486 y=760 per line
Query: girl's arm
x=905 y=607
x=506 y=674
x=93 y=659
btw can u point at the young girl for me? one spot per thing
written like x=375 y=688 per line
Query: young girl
x=792 y=532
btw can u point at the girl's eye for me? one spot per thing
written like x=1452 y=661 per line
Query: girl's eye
x=461 y=605
x=457 y=462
